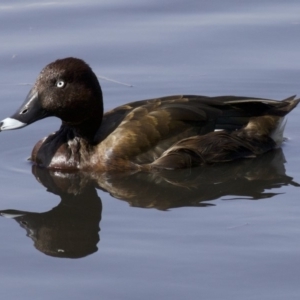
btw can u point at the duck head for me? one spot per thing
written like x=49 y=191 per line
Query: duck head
x=67 y=89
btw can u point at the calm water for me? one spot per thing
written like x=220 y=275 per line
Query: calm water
x=231 y=232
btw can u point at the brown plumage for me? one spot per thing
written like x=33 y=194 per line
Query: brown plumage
x=170 y=132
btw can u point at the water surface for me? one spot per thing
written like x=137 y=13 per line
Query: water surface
x=227 y=233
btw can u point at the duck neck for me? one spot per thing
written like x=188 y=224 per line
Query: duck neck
x=86 y=121
x=85 y=130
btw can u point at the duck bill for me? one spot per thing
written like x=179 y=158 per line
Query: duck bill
x=29 y=112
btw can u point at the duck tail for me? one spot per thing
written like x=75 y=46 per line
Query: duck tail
x=287 y=105
x=277 y=133
x=273 y=123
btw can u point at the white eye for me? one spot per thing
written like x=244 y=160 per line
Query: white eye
x=60 y=84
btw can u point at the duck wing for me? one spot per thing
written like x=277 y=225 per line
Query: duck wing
x=141 y=131
x=262 y=132
x=113 y=118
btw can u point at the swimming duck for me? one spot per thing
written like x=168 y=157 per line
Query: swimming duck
x=164 y=133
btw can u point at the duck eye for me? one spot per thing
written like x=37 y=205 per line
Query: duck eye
x=60 y=84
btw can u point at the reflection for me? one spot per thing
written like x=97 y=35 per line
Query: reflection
x=243 y=179
x=71 y=229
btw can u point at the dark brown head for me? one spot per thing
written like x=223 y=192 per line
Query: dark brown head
x=67 y=89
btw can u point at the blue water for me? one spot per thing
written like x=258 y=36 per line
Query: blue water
x=183 y=236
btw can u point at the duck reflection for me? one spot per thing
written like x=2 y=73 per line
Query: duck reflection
x=243 y=179
x=71 y=229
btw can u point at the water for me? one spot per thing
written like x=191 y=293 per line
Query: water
x=233 y=236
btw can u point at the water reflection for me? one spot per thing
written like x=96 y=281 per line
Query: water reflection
x=71 y=229
x=243 y=179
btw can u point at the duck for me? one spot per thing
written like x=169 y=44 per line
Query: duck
x=167 y=133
